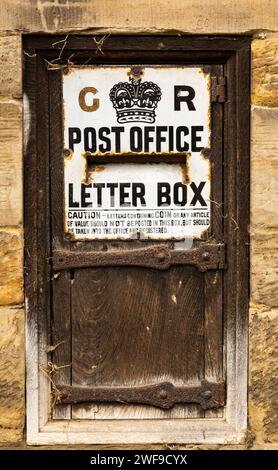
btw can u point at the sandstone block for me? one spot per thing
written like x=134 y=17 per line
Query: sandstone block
x=265 y=71
x=264 y=268
x=10 y=65
x=11 y=375
x=10 y=163
x=264 y=168
x=11 y=266
x=189 y=16
x=263 y=377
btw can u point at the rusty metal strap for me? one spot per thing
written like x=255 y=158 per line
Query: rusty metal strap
x=204 y=257
x=163 y=395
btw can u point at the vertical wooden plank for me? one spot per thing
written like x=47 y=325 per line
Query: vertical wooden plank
x=61 y=282
x=242 y=234
x=236 y=227
x=217 y=162
x=213 y=332
x=61 y=335
x=43 y=228
x=30 y=244
x=230 y=228
x=213 y=279
x=57 y=159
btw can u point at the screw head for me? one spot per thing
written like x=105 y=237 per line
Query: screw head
x=161 y=257
x=206 y=256
x=136 y=72
x=207 y=394
x=163 y=394
x=206 y=152
x=66 y=153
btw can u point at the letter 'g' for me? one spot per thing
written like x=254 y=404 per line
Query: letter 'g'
x=82 y=103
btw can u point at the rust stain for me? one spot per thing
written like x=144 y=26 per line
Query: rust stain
x=209 y=176
x=162 y=395
x=185 y=170
x=136 y=72
x=205 y=70
x=209 y=109
x=203 y=257
x=205 y=153
x=64 y=112
x=171 y=154
x=87 y=179
x=174 y=298
x=98 y=168
x=68 y=154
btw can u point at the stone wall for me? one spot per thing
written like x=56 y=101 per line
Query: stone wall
x=263 y=342
x=254 y=17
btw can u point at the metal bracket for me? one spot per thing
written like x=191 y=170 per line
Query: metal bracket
x=204 y=257
x=163 y=395
x=218 y=89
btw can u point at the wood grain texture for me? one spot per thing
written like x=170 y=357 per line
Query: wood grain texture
x=61 y=281
x=214 y=314
x=166 y=431
x=61 y=335
x=213 y=342
x=33 y=396
x=57 y=160
x=236 y=225
x=216 y=162
x=43 y=228
x=135 y=326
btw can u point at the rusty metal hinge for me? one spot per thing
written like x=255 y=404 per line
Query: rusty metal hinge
x=163 y=395
x=218 y=89
x=204 y=257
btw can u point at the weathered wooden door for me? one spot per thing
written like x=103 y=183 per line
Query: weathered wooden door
x=139 y=310
x=137 y=233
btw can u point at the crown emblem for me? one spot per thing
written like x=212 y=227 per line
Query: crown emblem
x=135 y=100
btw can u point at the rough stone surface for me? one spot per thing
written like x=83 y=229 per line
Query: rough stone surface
x=264 y=268
x=190 y=16
x=11 y=375
x=11 y=163
x=264 y=168
x=11 y=266
x=263 y=389
x=265 y=71
x=10 y=65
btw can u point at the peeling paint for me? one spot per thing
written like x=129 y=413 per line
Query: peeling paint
x=174 y=298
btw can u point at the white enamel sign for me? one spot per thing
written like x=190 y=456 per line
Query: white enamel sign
x=155 y=122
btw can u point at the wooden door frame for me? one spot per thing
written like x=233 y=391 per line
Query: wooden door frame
x=234 y=54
